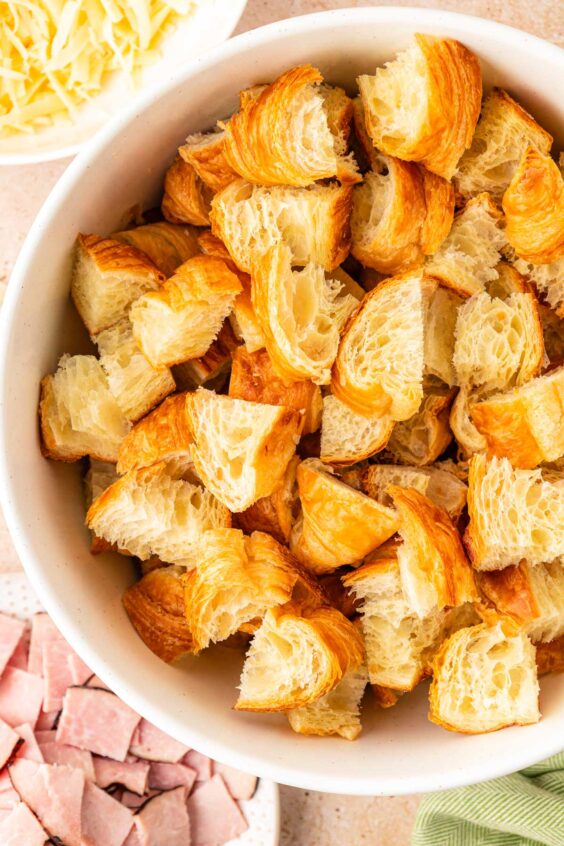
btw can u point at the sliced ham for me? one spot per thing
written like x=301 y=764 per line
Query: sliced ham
x=104 y=821
x=42 y=630
x=133 y=839
x=9 y=739
x=80 y=672
x=134 y=776
x=215 y=817
x=19 y=657
x=45 y=735
x=54 y=794
x=240 y=785
x=56 y=673
x=21 y=828
x=29 y=748
x=169 y=776
x=5 y=780
x=11 y=632
x=9 y=799
x=21 y=695
x=164 y=821
x=134 y=801
x=201 y=763
x=151 y=743
x=98 y=721
x=70 y=756
x=96 y=681
x=47 y=720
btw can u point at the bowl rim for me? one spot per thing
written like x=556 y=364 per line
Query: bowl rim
x=249 y=760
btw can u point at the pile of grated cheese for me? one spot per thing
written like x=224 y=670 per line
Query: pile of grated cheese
x=57 y=54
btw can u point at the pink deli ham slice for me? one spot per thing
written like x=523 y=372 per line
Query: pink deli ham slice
x=54 y=794
x=79 y=671
x=22 y=827
x=9 y=739
x=70 y=756
x=134 y=801
x=169 y=776
x=45 y=735
x=11 y=632
x=61 y=668
x=134 y=776
x=9 y=799
x=201 y=763
x=42 y=630
x=214 y=816
x=21 y=695
x=164 y=821
x=29 y=748
x=240 y=785
x=151 y=743
x=133 y=839
x=19 y=657
x=47 y=720
x=104 y=821
x=98 y=721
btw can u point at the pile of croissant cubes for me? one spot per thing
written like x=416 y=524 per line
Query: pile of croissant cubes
x=327 y=411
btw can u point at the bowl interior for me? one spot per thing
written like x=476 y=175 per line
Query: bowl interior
x=399 y=750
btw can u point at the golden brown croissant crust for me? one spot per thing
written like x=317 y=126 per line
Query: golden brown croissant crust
x=186 y=199
x=160 y=436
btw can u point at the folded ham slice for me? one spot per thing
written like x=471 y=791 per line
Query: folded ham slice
x=9 y=739
x=134 y=775
x=240 y=785
x=214 y=816
x=70 y=756
x=168 y=776
x=29 y=748
x=45 y=735
x=62 y=668
x=21 y=828
x=199 y=762
x=11 y=632
x=134 y=801
x=151 y=743
x=47 y=720
x=164 y=821
x=105 y=822
x=54 y=794
x=21 y=695
x=79 y=671
x=19 y=657
x=98 y=721
x=42 y=630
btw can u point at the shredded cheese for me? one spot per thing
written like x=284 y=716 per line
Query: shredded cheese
x=57 y=54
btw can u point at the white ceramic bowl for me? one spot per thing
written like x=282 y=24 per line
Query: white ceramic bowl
x=211 y=23
x=399 y=750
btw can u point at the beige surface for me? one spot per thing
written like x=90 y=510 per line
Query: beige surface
x=308 y=818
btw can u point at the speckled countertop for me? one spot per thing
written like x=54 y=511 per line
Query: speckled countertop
x=308 y=818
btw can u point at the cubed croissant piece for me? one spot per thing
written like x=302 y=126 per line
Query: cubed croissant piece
x=509 y=281
x=336 y=713
x=293 y=133
x=99 y=476
x=424 y=105
x=532 y=596
x=553 y=332
x=137 y=386
x=547 y=279
x=240 y=449
x=347 y=437
x=434 y=569
x=155 y=606
x=180 y=321
x=503 y=133
x=379 y=367
x=499 y=343
x=236 y=580
x=534 y=209
x=78 y=413
x=467 y=436
x=301 y=314
x=399 y=645
x=107 y=277
x=186 y=198
x=314 y=222
x=424 y=436
x=205 y=152
x=150 y=513
x=514 y=515
x=212 y=368
x=467 y=258
x=440 y=328
x=550 y=657
x=373 y=157
x=437 y=484
x=401 y=213
x=274 y=514
x=526 y=424
x=168 y=246
x=484 y=679
x=338 y=525
x=163 y=435
x=296 y=657
x=253 y=378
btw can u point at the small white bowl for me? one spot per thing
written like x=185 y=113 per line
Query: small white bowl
x=399 y=750
x=212 y=22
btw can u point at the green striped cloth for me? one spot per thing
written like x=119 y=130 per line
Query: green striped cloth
x=523 y=809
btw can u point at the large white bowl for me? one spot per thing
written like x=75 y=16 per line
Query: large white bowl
x=399 y=750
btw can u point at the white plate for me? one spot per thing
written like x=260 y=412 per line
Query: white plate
x=399 y=751
x=262 y=812
x=212 y=22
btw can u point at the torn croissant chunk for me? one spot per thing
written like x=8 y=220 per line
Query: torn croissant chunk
x=283 y=136
x=186 y=199
x=424 y=105
x=296 y=657
x=423 y=437
x=167 y=245
x=275 y=513
x=336 y=713
x=163 y=435
x=439 y=485
x=484 y=678
x=205 y=152
x=347 y=437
